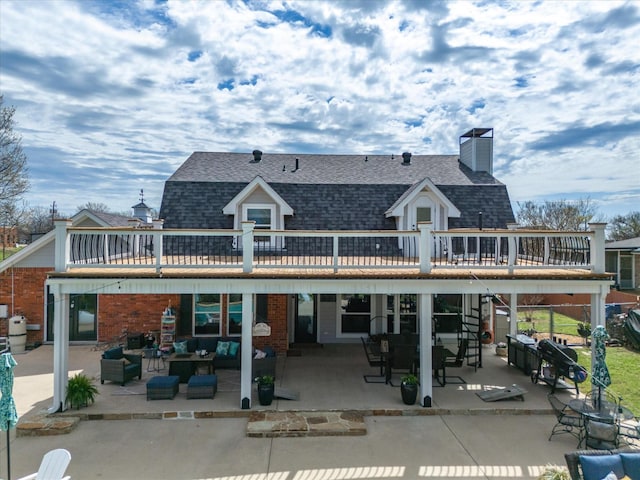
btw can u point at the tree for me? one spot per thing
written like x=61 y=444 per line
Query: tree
x=38 y=221
x=14 y=181
x=557 y=214
x=626 y=226
x=95 y=207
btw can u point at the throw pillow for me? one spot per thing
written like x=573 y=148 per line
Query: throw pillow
x=180 y=347
x=113 y=354
x=597 y=467
x=631 y=464
x=233 y=348
x=222 y=350
x=611 y=476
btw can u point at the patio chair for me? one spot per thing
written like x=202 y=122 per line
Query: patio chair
x=630 y=432
x=53 y=465
x=457 y=362
x=601 y=435
x=438 y=364
x=375 y=359
x=568 y=420
x=401 y=357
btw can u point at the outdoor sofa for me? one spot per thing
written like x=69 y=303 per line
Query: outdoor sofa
x=117 y=366
x=227 y=349
x=597 y=464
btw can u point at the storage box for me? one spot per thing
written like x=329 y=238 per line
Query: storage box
x=135 y=341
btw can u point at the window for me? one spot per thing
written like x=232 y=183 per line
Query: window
x=355 y=314
x=407 y=312
x=206 y=311
x=263 y=215
x=234 y=312
x=423 y=214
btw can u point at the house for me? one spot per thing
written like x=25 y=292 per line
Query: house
x=622 y=257
x=322 y=249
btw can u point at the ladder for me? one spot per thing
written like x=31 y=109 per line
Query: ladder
x=471 y=326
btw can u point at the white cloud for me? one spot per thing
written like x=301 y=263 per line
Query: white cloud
x=127 y=93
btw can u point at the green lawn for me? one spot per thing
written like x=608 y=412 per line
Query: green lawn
x=7 y=252
x=541 y=323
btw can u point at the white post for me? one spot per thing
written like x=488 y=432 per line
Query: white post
x=426 y=344
x=597 y=247
x=247 y=246
x=62 y=247
x=60 y=349
x=247 y=349
x=513 y=314
x=426 y=230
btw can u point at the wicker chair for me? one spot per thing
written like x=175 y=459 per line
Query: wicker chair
x=119 y=367
x=573 y=459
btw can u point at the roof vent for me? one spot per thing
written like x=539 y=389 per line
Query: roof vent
x=406 y=158
x=257 y=156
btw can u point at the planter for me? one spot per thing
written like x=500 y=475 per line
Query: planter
x=409 y=393
x=265 y=394
x=501 y=351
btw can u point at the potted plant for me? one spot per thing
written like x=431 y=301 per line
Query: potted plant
x=409 y=389
x=80 y=391
x=265 y=389
x=501 y=349
x=552 y=472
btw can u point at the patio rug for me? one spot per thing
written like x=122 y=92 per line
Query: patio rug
x=228 y=381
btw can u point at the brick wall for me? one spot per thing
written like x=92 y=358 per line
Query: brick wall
x=28 y=298
x=277 y=315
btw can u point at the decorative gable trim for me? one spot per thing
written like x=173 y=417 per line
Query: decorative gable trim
x=398 y=208
x=258 y=182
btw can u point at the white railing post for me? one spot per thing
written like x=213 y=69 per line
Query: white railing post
x=512 y=242
x=547 y=251
x=157 y=250
x=596 y=247
x=426 y=235
x=63 y=244
x=247 y=246
x=336 y=247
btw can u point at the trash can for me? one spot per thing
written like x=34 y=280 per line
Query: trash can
x=17 y=333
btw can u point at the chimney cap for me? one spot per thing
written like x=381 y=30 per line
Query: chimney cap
x=257 y=156
x=406 y=158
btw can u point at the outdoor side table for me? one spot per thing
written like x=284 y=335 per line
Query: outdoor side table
x=154 y=359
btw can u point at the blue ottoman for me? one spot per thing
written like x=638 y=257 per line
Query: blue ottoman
x=202 y=386
x=161 y=388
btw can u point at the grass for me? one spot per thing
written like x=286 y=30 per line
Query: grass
x=7 y=252
x=623 y=363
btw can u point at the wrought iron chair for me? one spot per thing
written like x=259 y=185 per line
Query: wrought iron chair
x=568 y=420
x=375 y=359
x=630 y=432
x=457 y=362
x=601 y=435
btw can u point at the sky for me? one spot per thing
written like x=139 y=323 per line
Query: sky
x=111 y=97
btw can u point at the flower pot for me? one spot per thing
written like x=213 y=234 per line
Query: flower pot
x=409 y=393
x=265 y=394
x=501 y=351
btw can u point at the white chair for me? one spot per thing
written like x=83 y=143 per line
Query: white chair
x=52 y=467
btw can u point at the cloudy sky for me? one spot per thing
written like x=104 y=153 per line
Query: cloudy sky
x=112 y=96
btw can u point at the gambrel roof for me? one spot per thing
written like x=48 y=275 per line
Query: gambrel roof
x=337 y=192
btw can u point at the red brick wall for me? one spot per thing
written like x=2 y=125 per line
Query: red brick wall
x=136 y=313
x=28 y=295
x=277 y=315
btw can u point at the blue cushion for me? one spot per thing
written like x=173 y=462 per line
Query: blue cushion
x=233 y=348
x=270 y=352
x=631 y=464
x=596 y=467
x=180 y=347
x=222 y=349
x=113 y=354
x=207 y=343
x=203 y=380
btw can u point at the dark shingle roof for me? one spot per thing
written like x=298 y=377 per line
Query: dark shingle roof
x=336 y=192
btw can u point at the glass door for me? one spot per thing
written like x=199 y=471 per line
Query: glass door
x=306 y=325
x=83 y=318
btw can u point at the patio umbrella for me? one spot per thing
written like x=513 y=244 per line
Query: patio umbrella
x=8 y=413
x=600 y=375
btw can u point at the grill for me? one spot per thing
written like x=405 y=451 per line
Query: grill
x=557 y=365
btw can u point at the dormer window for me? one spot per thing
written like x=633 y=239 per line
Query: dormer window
x=423 y=214
x=263 y=215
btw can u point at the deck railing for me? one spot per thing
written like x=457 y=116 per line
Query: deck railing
x=250 y=249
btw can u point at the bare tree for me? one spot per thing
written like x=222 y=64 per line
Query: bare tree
x=622 y=227
x=95 y=207
x=14 y=180
x=558 y=214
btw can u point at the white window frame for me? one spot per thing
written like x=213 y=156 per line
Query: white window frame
x=340 y=312
x=193 y=317
x=246 y=207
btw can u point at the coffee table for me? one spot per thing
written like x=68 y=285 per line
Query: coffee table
x=186 y=364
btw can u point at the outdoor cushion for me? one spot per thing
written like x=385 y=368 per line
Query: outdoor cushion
x=192 y=345
x=631 y=464
x=113 y=354
x=207 y=343
x=597 y=467
x=233 y=348
x=180 y=347
x=222 y=349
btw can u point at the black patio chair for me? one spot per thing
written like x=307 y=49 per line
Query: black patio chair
x=601 y=435
x=457 y=362
x=438 y=364
x=402 y=357
x=375 y=359
x=568 y=420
